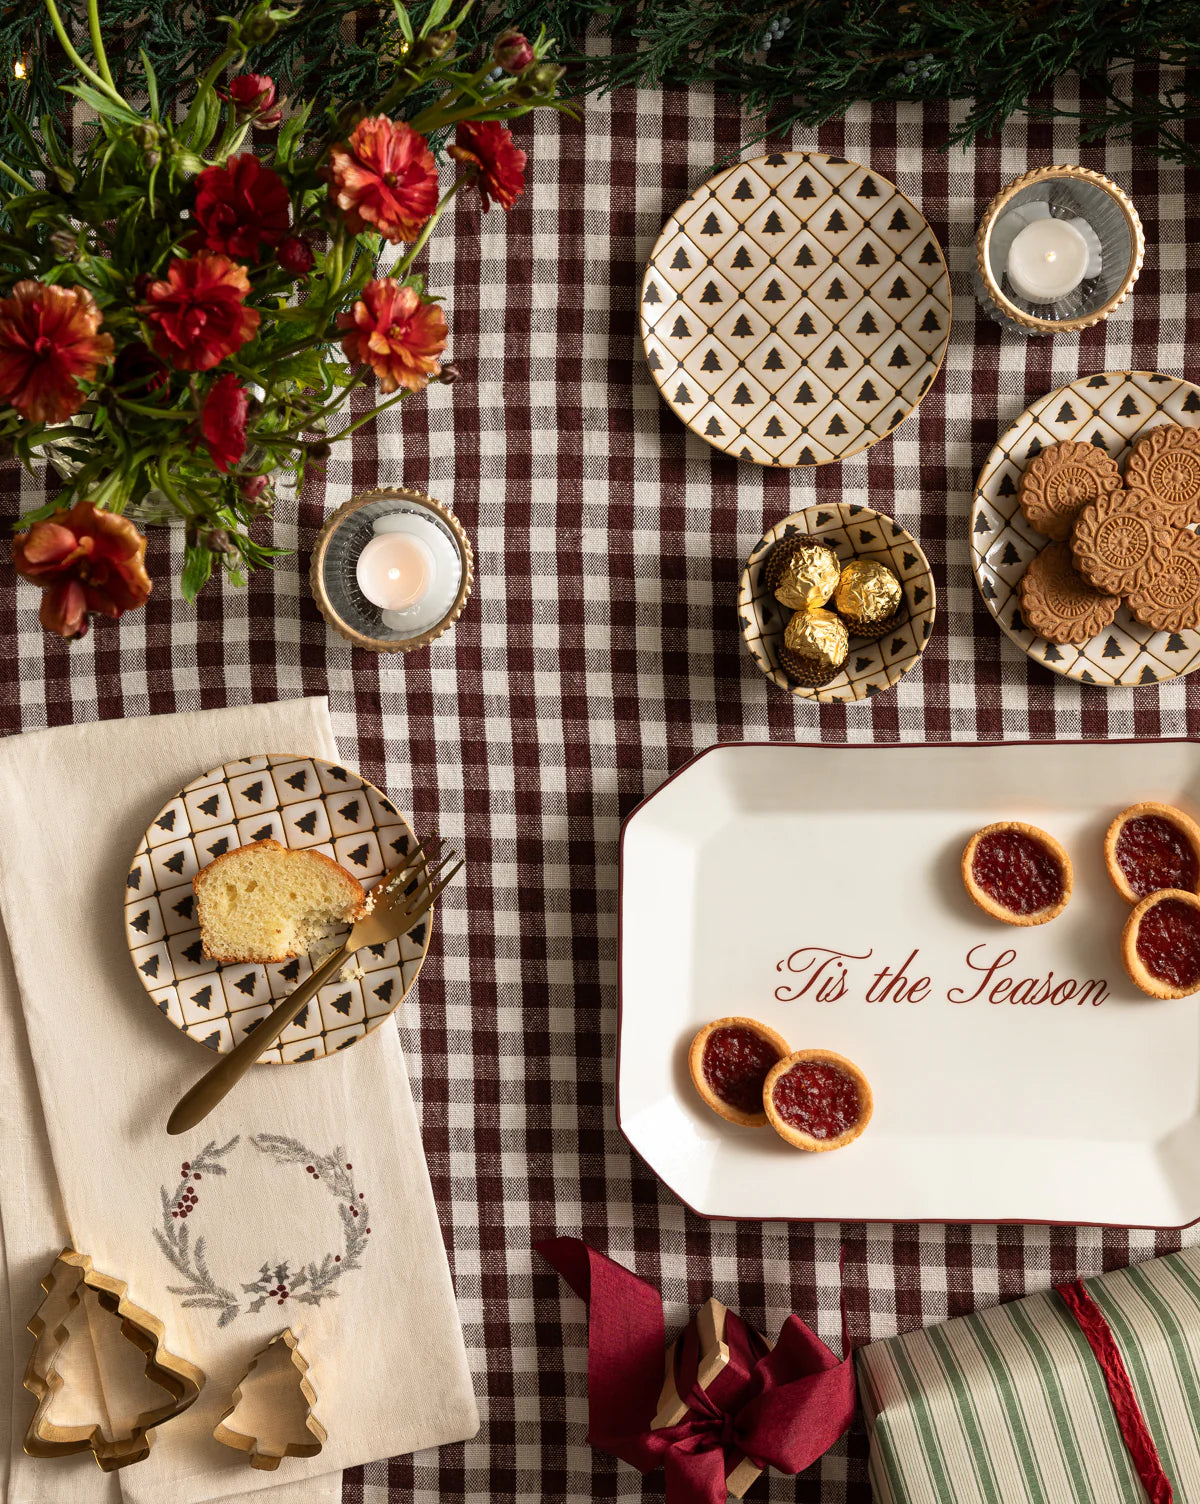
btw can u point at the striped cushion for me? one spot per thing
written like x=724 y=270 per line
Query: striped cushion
x=1009 y=1405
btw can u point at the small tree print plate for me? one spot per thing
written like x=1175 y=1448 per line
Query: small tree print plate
x=303 y=803
x=853 y=532
x=1110 y=410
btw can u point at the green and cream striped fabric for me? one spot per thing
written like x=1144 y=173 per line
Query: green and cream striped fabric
x=1009 y=1406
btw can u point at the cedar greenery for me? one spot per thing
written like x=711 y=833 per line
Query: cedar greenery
x=791 y=64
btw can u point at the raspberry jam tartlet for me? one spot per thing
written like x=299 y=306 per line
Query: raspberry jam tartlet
x=817 y=1100
x=1150 y=847
x=1160 y=944
x=1017 y=873
x=730 y=1060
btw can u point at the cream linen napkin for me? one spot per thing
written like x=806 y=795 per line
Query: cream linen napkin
x=385 y=1345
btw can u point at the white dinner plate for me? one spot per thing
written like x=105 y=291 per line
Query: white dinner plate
x=754 y=866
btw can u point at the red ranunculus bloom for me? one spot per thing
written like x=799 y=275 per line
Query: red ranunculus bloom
x=49 y=343
x=384 y=179
x=223 y=421
x=295 y=256
x=393 y=332
x=240 y=208
x=197 y=313
x=252 y=96
x=487 y=146
x=84 y=560
x=138 y=372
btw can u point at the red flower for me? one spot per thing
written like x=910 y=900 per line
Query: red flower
x=252 y=96
x=386 y=179
x=84 y=560
x=139 y=372
x=223 y=421
x=295 y=256
x=512 y=51
x=393 y=332
x=240 y=208
x=487 y=146
x=197 y=314
x=49 y=343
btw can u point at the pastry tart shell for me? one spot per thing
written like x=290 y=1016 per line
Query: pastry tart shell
x=796 y=1136
x=719 y=1105
x=1176 y=817
x=988 y=904
x=1139 y=975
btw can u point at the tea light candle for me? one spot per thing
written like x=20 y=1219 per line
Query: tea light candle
x=1049 y=258
x=411 y=570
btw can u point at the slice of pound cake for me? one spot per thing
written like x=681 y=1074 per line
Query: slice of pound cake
x=266 y=903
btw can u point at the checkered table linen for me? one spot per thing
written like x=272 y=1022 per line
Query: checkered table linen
x=600 y=651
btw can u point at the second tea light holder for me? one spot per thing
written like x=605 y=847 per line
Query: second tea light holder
x=337 y=581
x=1066 y=192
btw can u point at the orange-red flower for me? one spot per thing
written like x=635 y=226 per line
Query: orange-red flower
x=487 y=146
x=223 y=421
x=393 y=332
x=84 y=560
x=240 y=208
x=197 y=313
x=253 y=98
x=384 y=179
x=49 y=343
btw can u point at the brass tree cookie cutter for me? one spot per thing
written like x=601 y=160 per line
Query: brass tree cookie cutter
x=64 y=1286
x=261 y=1456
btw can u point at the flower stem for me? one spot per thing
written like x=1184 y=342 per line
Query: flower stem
x=94 y=78
x=418 y=245
x=17 y=178
x=98 y=43
x=344 y=433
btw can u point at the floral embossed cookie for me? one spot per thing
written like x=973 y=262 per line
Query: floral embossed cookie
x=1169 y=598
x=1166 y=463
x=1058 y=603
x=1121 y=541
x=1062 y=480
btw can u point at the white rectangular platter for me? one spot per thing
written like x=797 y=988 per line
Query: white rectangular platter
x=755 y=868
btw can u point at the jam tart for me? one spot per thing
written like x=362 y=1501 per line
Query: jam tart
x=817 y=1100
x=729 y=1061
x=1150 y=847
x=1160 y=944
x=1017 y=873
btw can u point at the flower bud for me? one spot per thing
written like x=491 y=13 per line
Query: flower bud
x=429 y=49
x=152 y=159
x=65 y=245
x=254 y=486
x=218 y=541
x=449 y=374
x=513 y=51
x=319 y=451
x=252 y=96
x=295 y=256
x=541 y=78
x=147 y=135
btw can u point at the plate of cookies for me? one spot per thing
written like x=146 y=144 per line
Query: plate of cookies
x=836 y=603
x=1082 y=529
x=917 y=982
x=245 y=880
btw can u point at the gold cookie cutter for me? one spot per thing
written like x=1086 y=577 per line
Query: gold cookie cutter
x=70 y=1276
x=262 y=1456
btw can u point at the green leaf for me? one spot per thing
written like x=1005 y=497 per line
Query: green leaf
x=437 y=11
x=404 y=20
x=151 y=83
x=106 y=108
x=197 y=570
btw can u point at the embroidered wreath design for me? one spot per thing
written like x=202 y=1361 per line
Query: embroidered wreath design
x=311 y=1283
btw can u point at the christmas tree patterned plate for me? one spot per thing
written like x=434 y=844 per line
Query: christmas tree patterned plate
x=303 y=803
x=795 y=309
x=853 y=532
x=1110 y=410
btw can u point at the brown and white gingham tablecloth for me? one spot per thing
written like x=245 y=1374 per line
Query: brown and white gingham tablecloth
x=599 y=652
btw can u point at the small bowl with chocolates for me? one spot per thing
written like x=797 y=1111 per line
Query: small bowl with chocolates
x=836 y=603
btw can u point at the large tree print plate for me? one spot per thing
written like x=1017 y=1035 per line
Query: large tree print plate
x=795 y=309
x=1111 y=410
x=303 y=803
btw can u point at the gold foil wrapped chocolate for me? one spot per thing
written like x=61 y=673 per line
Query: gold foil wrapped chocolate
x=867 y=592
x=820 y=635
x=809 y=576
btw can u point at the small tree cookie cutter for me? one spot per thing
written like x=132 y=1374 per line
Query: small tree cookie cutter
x=71 y=1274
x=259 y=1455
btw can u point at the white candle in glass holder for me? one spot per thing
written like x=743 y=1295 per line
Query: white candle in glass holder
x=411 y=570
x=1048 y=259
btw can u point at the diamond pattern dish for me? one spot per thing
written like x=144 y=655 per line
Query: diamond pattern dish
x=1110 y=410
x=853 y=532
x=302 y=802
x=795 y=309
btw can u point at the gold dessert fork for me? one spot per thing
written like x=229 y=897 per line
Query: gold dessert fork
x=401 y=898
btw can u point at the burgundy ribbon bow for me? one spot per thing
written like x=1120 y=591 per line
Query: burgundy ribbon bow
x=781 y=1407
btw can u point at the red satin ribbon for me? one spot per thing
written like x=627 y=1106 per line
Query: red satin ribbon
x=781 y=1407
x=1132 y=1423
